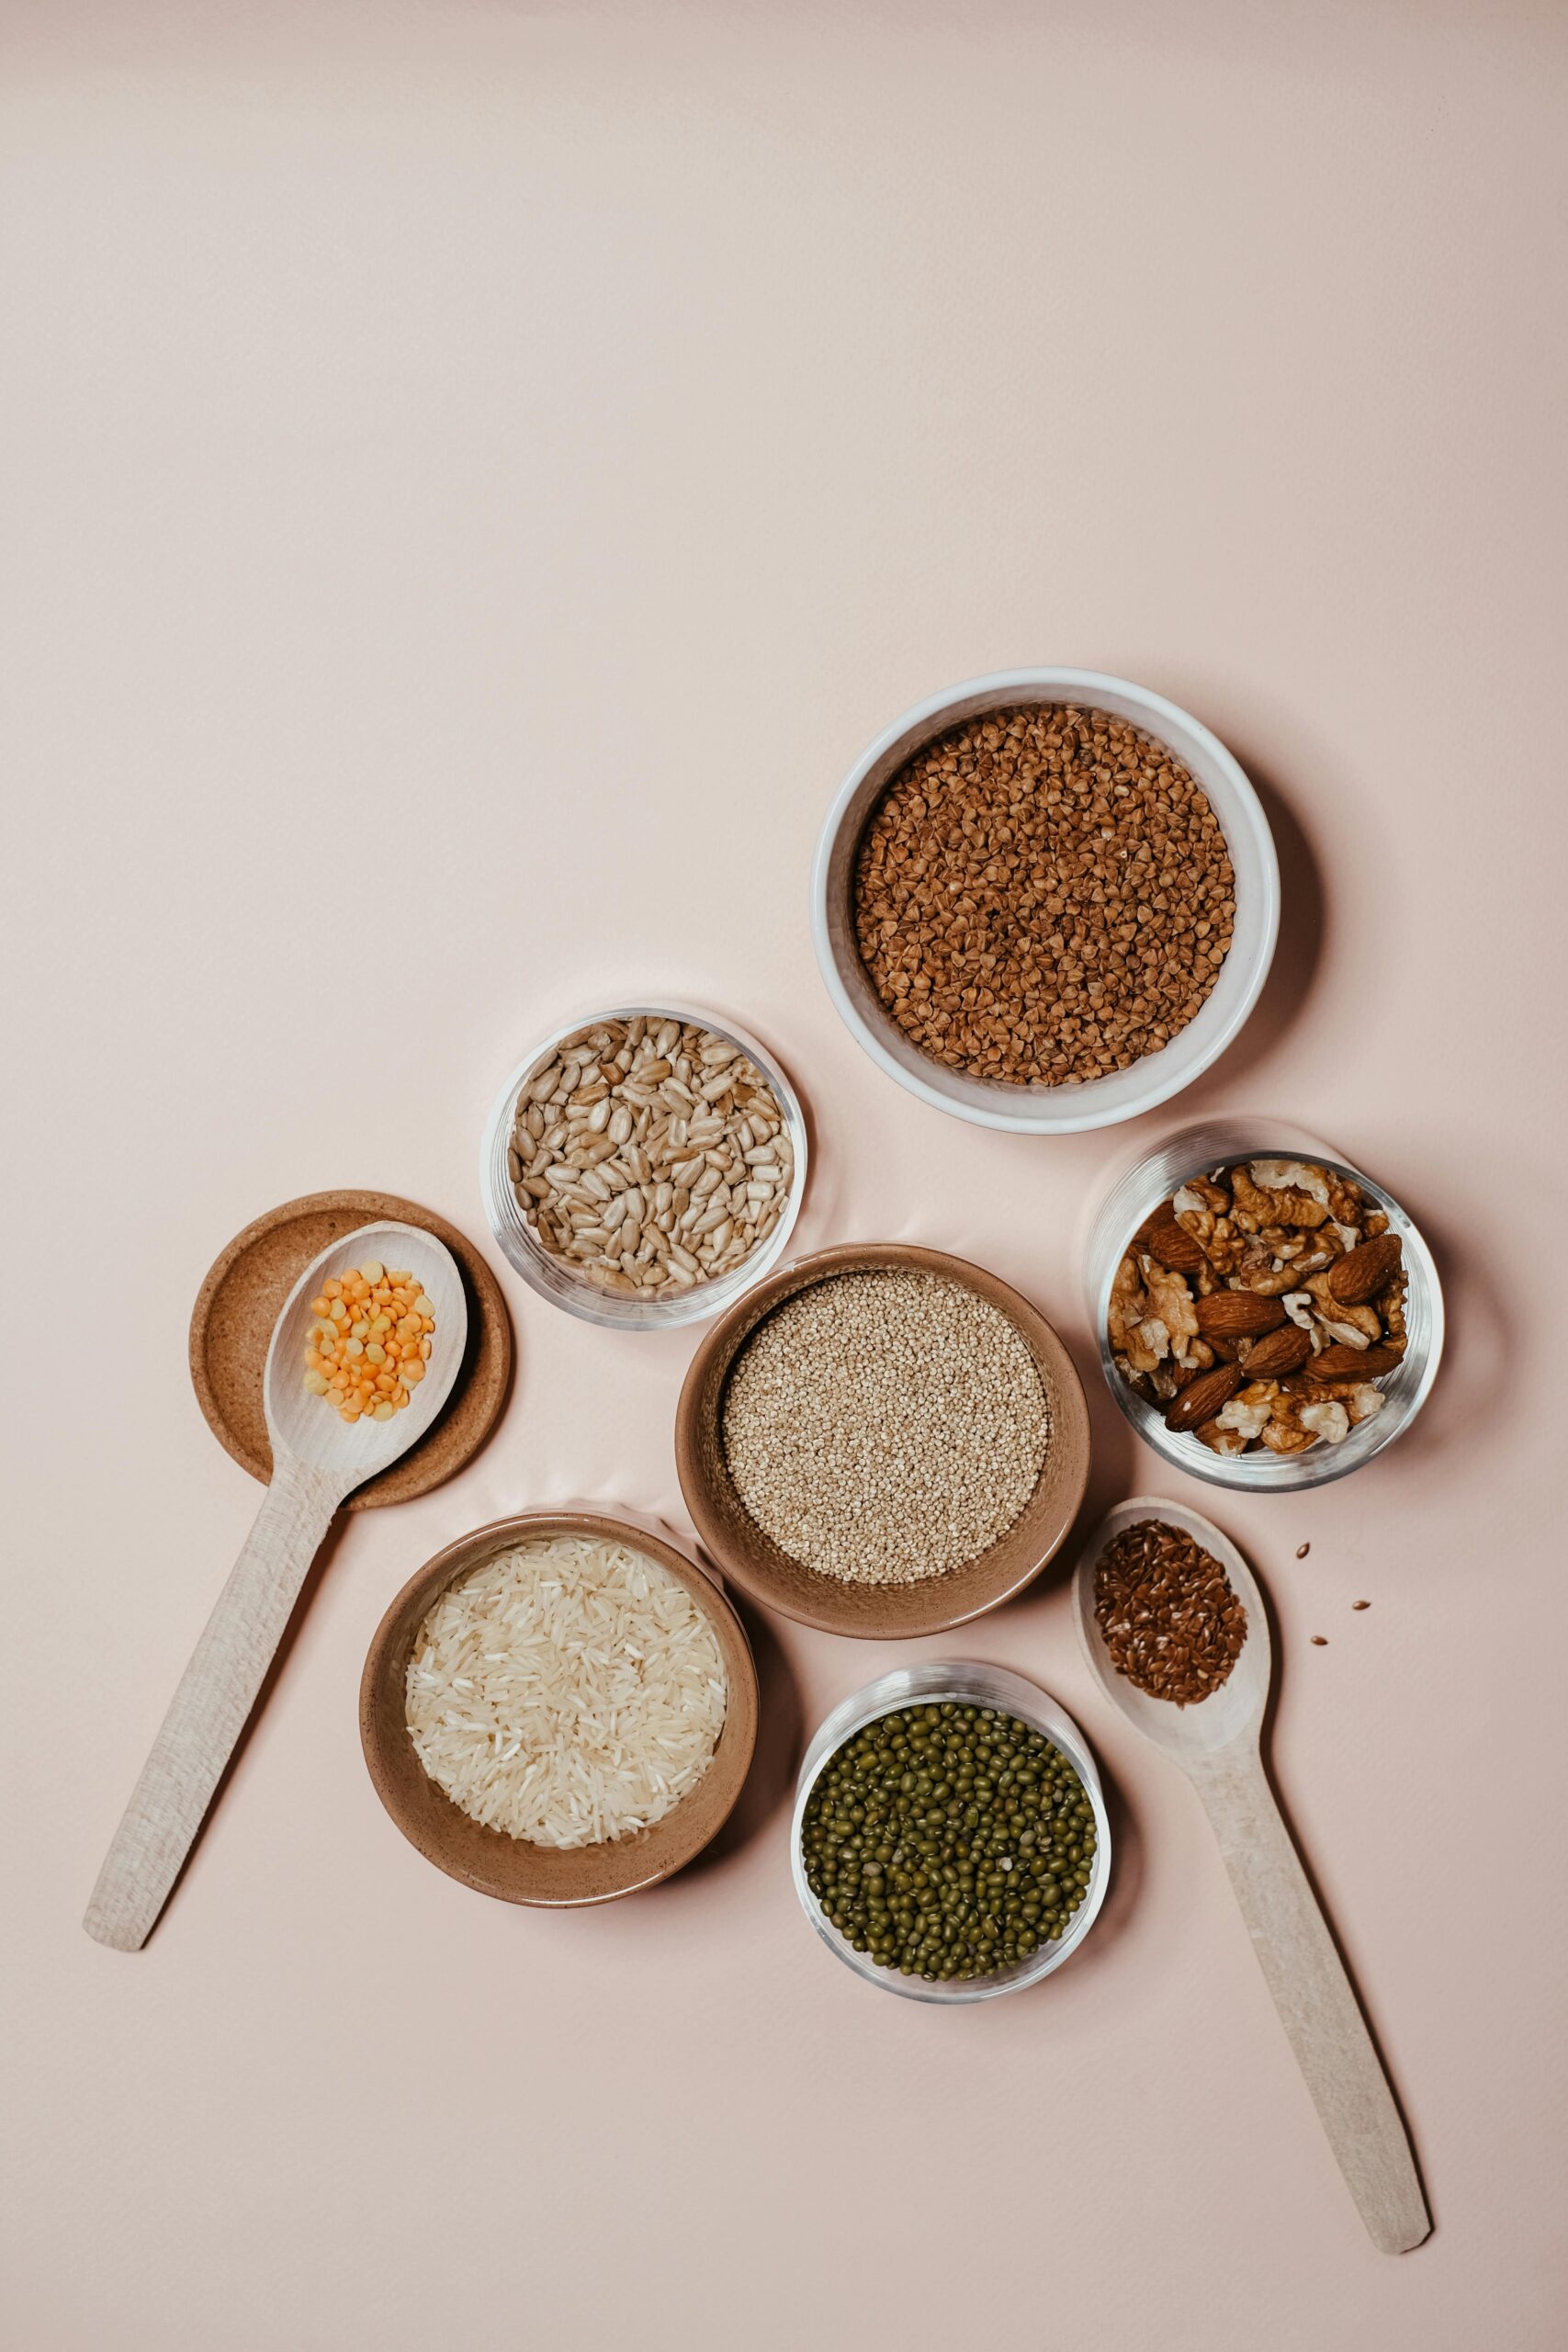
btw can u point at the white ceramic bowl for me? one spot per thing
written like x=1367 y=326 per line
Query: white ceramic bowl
x=1100 y=1102
x=969 y=1685
x=554 y=1278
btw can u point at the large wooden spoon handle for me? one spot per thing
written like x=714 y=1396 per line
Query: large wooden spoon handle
x=210 y=1710
x=1314 y=1998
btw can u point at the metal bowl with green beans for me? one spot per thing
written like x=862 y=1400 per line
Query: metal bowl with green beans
x=949 y=1840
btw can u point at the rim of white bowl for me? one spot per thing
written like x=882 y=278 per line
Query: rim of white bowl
x=1126 y=1094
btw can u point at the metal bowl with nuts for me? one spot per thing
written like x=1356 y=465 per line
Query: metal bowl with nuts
x=645 y=1165
x=1269 y=1318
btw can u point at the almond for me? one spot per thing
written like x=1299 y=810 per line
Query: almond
x=1360 y=1276
x=1278 y=1353
x=1202 y=1398
x=1239 y=1314
x=1340 y=1363
x=1174 y=1247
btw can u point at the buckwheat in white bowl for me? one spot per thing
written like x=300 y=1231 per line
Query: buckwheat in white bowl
x=1045 y=900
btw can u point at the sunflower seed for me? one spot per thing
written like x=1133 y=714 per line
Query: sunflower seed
x=650 y=1154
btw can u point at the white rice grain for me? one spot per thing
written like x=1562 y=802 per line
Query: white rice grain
x=568 y=1692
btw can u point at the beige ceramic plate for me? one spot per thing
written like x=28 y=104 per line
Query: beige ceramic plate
x=487 y=1859
x=876 y=1612
x=237 y=1305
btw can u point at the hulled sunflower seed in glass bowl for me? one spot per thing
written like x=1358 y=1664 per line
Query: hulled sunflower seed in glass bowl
x=644 y=1165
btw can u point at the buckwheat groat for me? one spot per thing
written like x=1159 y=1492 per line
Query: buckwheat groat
x=1043 y=896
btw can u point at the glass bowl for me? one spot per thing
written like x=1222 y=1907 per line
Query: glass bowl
x=970 y=1685
x=1196 y=1150
x=1099 y=1102
x=553 y=1277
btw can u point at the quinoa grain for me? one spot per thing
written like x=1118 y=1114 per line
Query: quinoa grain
x=885 y=1427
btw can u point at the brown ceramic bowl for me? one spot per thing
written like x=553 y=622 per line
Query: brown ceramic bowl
x=754 y=1563
x=487 y=1859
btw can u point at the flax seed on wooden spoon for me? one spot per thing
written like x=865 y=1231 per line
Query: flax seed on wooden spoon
x=1215 y=1741
x=317 y=1460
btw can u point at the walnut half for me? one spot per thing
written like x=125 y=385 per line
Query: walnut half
x=1278 y=1228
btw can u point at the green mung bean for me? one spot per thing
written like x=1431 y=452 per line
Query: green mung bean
x=948 y=1841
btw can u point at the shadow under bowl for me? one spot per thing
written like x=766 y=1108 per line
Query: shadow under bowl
x=488 y=1859
x=756 y=1565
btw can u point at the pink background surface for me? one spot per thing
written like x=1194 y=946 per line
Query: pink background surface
x=474 y=477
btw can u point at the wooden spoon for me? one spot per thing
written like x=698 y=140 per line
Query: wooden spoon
x=1216 y=1743
x=317 y=1459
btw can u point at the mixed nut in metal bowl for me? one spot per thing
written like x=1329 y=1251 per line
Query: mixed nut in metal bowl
x=1265 y=1317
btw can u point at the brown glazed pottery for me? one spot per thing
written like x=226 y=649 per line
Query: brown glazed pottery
x=753 y=1562
x=487 y=1859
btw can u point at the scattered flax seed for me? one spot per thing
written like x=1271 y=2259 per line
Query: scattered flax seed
x=1360 y=1604
x=885 y=1427
x=1320 y=1641
x=1301 y=1551
x=1171 y=1621
x=1043 y=896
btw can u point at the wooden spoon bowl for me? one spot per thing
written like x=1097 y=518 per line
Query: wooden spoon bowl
x=318 y=1459
x=487 y=1859
x=1216 y=1741
x=245 y=1289
x=1234 y=1712
x=876 y=1612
